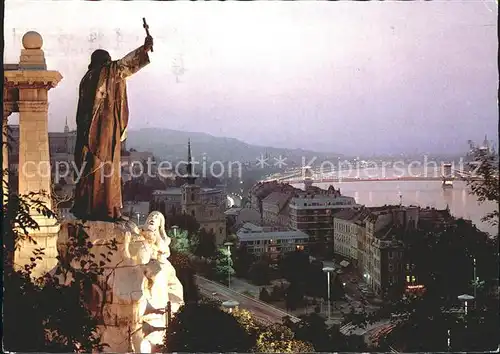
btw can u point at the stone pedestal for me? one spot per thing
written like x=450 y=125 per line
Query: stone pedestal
x=31 y=82
x=121 y=298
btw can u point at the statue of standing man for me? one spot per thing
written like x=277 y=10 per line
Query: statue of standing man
x=102 y=119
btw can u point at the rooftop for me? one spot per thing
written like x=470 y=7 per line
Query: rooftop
x=233 y=211
x=278 y=198
x=272 y=235
x=249 y=227
x=351 y=214
x=168 y=191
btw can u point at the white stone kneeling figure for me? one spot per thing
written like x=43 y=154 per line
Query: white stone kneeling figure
x=164 y=286
x=131 y=296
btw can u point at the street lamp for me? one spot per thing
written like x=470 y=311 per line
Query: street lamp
x=475 y=279
x=464 y=298
x=230 y=305
x=174 y=228
x=228 y=245
x=328 y=270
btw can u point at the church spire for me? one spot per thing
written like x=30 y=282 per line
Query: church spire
x=190 y=176
x=66 y=127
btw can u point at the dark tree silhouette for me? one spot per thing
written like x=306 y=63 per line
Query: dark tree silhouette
x=184 y=222
x=264 y=295
x=243 y=260
x=484 y=180
x=259 y=273
x=201 y=328
x=42 y=315
x=206 y=244
x=294 y=266
x=185 y=273
x=443 y=263
x=294 y=296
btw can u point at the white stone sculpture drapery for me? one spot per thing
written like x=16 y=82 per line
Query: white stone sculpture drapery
x=131 y=296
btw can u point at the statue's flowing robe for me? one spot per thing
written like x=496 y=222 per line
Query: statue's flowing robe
x=102 y=119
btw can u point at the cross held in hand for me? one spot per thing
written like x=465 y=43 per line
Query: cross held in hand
x=146 y=27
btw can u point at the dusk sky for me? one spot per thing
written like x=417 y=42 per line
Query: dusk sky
x=348 y=77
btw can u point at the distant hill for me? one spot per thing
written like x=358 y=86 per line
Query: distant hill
x=171 y=145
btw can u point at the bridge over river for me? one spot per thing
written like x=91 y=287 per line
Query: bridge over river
x=294 y=180
x=373 y=175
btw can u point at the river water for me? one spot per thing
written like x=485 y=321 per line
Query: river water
x=421 y=193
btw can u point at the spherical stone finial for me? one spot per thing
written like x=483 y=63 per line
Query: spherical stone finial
x=32 y=40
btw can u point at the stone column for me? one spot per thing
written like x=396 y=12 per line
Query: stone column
x=34 y=159
x=33 y=82
x=5 y=153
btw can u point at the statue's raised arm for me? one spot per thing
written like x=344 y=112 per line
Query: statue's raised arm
x=135 y=60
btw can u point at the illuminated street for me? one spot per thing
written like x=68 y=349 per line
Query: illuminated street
x=262 y=311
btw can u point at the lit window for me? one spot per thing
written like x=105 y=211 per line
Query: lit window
x=407 y=278
x=413 y=280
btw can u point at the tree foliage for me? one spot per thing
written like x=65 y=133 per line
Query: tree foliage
x=278 y=338
x=206 y=244
x=183 y=222
x=259 y=272
x=200 y=328
x=138 y=189
x=223 y=265
x=42 y=314
x=443 y=259
x=264 y=295
x=294 y=266
x=484 y=179
x=451 y=275
x=181 y=242
x=185 y=273
x=243 y=260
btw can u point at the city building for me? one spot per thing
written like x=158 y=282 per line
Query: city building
x=259 y=240
x=169 y=201
x=373 y=239
x=62 y=142
x=262 y=189
x=382 y=266
x=311 y=211
x=346 y=232
x=239 y=216
x=275 y=208
x=206 y=205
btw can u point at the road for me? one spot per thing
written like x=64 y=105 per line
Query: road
x=262 y=312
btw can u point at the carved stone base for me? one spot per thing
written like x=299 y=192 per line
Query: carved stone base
x=121 y=298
